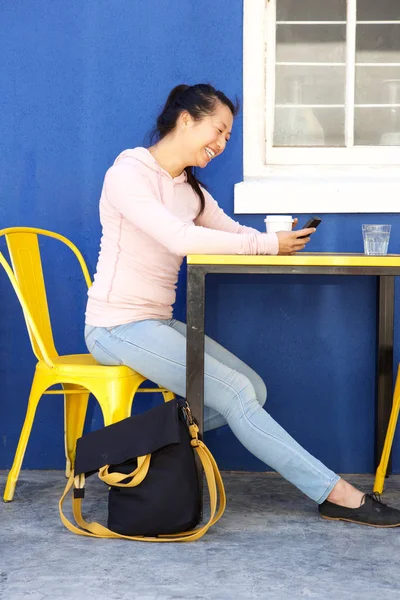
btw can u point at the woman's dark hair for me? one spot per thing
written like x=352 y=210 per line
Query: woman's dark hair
x=199 y=101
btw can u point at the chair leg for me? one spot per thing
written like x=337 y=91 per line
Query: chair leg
x=382 y=468
x=75 y=408
x=34 y=397
x=115 y=397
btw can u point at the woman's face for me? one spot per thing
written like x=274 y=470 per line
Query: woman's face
x=207 y=138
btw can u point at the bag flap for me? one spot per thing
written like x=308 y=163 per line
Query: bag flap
x=135 y=436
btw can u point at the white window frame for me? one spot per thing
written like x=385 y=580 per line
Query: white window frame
x=303 y=180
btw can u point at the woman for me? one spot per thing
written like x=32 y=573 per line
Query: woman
x=153 y=213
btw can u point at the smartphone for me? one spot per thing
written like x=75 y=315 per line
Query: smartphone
x=313 y=222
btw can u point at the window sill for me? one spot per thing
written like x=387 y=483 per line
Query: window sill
x=307 y=190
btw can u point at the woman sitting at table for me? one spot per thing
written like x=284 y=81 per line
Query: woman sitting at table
x=153 y=213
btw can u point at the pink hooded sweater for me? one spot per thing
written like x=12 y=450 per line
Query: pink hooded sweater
x=149 y=221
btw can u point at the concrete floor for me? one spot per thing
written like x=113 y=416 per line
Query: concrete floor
x=270 y=544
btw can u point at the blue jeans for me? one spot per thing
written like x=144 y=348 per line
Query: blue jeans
x=233 y=394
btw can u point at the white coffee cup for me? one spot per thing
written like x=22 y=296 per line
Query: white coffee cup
x=275 y=223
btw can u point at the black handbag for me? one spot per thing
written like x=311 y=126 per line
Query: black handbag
x=148 y=462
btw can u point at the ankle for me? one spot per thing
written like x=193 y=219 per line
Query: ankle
x=344 y=494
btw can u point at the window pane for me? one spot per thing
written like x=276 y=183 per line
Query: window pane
x=378 y=10
x=310 y=43
x=378 y=43
x=309 y=85
x=377 y=126
x=311 y=10
x=377 y=85
x=309 y=126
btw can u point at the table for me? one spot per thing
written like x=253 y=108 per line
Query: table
x=385 y=268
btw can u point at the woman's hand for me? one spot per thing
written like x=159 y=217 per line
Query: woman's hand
x=290 y=242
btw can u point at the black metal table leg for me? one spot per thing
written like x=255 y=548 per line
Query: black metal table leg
x=195 y=342
x=385 y=362
x=195 y=351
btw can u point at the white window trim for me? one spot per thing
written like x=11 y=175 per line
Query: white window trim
x=284 y=188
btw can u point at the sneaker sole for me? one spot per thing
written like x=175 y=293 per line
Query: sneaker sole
x=359 y=522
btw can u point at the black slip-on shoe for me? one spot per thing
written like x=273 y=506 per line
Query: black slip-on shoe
x=372 y=512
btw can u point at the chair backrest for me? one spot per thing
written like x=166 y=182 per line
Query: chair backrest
x=26 y=276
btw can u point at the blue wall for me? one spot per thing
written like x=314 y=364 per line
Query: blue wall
x=83 y=81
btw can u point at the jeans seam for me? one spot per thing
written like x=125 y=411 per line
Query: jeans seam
x=293 y=450
x=268 y=434
x=145 y=350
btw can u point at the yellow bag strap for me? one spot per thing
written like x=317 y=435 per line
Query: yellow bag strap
x=137 y=475
x=214 y=483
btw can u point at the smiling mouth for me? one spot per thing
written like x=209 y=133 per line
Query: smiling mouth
x=210 y=153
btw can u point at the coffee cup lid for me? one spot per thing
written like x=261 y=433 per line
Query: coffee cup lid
x=278 y=218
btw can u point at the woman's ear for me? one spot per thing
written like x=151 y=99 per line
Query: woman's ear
x=185 y=119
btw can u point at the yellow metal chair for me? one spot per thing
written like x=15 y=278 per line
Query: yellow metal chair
x=382 y=467
x=79 y=374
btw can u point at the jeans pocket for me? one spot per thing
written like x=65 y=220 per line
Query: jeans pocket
x=103 y=355
x=89 y=330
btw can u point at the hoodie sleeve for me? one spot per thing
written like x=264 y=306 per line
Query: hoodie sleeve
x=215 y=218
x=131 y=194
